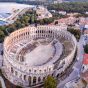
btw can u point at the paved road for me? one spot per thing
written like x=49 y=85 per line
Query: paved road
x=77 y=66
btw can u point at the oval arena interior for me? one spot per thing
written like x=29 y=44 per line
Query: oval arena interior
x=33 y=53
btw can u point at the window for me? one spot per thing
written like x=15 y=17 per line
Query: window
x=11 y=69
x=24 y=77
x=21 y=76
x=40 y=31
x=43 y=78
x=29 y=79
x=45 y=70
x=49 y=31
x=34 y=70
x=39 y=79
x=22 y=59
x=49 y=69
x=36 y=31
x=40 y=70
x=16 y=73
x=29 y=70
x=34 y=80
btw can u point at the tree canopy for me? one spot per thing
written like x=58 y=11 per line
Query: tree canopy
x=2 y=35
x=50 y=82
x=75 y=32
x=70 y=7
x=86 y=48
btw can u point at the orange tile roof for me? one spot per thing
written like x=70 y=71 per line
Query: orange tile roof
x=85 y=60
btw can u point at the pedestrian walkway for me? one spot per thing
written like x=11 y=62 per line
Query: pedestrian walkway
x=1 y=61
x=2 y=83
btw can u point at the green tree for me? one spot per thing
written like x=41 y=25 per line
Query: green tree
x=18 y=24
x=75 y=32
x=48 y=20
x=41 y=21
x=10 y=28
x=50 y=82
x=26 y=19
x=86 y=48
x=32 y=18
x=2 y=36
x=2 y=27
x=70 y=7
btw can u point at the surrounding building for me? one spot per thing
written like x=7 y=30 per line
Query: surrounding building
x=85 y=63
x=61 y=26
x=76 y=83
x=83 y=21
x=42 y=13
x=84 y=76
x=62 y=12
x=67 y=21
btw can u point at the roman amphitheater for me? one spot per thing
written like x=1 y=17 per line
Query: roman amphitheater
x=33 y=53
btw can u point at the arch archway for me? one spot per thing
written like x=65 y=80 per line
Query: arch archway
x=43 y=78
x=34 y=80
x=29 y=79
x=11 y=69
x=39 y=79
x=24 y=77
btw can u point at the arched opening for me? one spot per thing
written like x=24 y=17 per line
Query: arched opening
x=49 y=31
x=29 y=70
x=26 y=33
x=11 y=69
x=24 y=77
x=21 y=58
x=29 y=79
x=40 y=71
x=39 y=79
x=34 y=80
x=45 y=70
x=49 y=69
x=43 y=78
x=16 y=73
x=40 y=31
x=36 y=32
x=20 y=76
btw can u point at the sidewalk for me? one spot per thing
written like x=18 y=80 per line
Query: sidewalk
x=1 y=61
x=2 y=82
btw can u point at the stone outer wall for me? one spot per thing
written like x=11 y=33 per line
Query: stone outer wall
x=20 y=74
